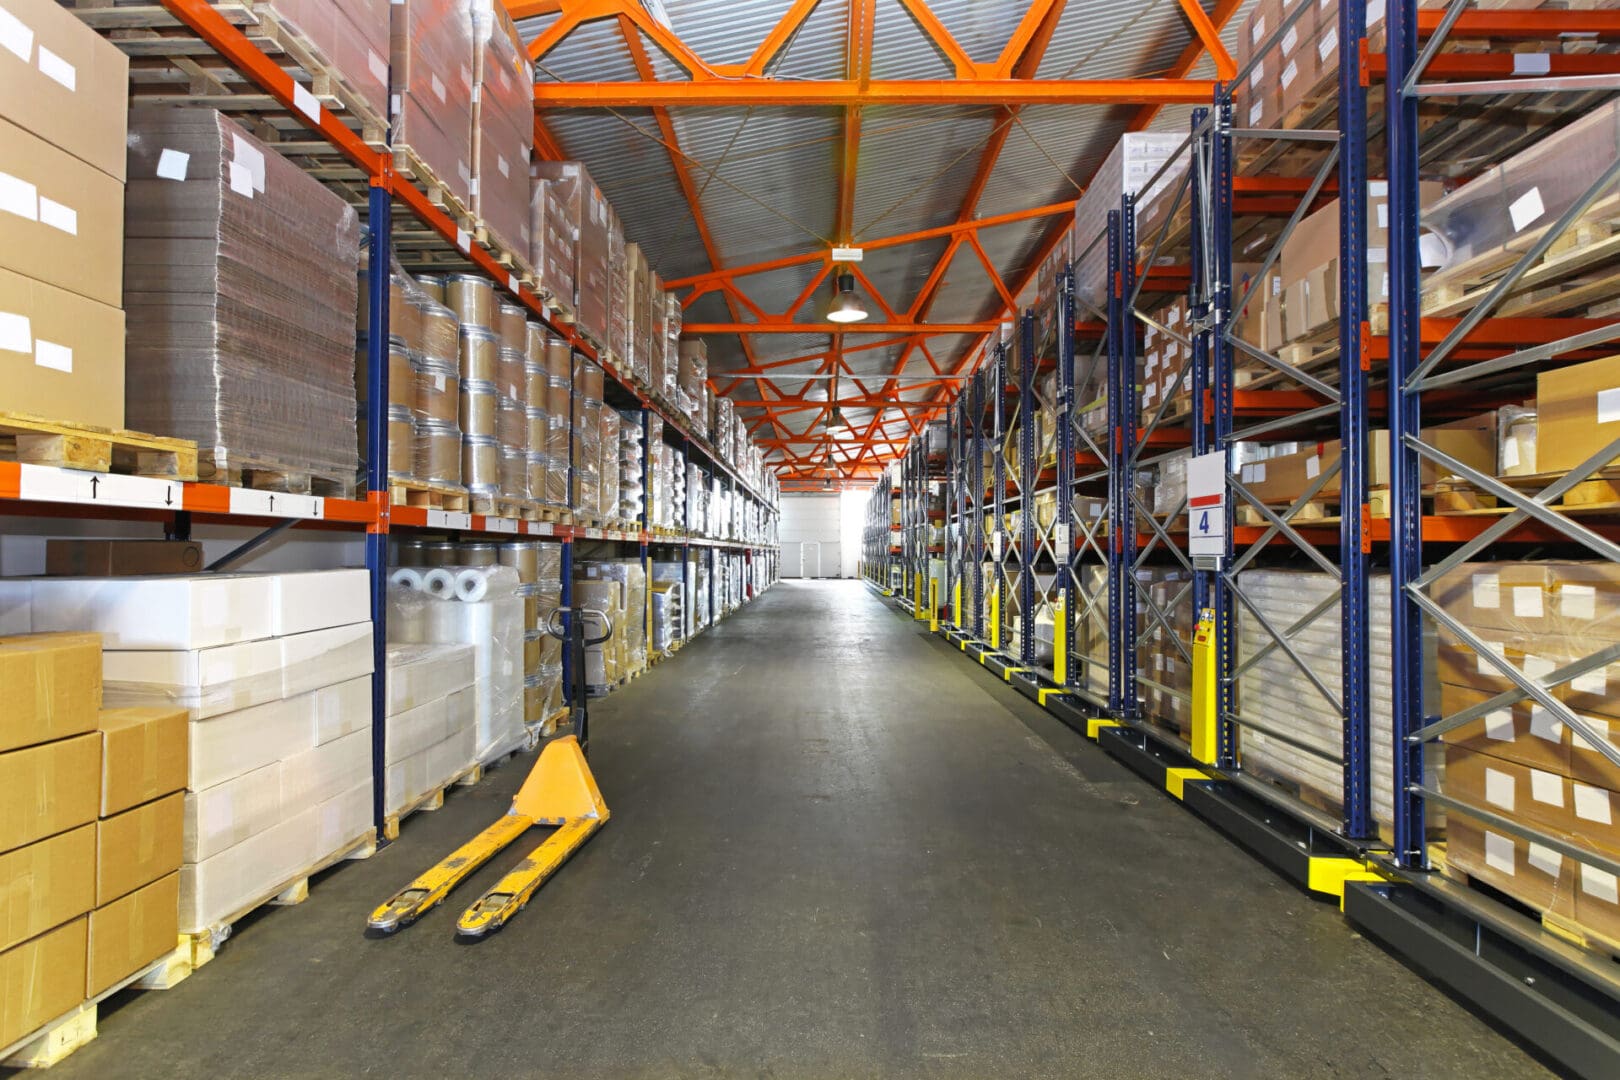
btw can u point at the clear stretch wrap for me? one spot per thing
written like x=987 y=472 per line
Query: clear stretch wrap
x=588 y=215
x=432 y=79
x=618 y=292
x=553 y=243
x=502 y=127
x=1132 y=163
x=693 y=377
x=350 y=36
x=608 y=508
x=432 y=726
x=482 y=608
x=240 y=284
x=670 y=382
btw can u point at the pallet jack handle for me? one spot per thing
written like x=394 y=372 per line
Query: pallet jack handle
x=574 y=639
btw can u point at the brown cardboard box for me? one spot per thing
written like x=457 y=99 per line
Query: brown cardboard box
x=1471 y=441
x=1593 y=899
x=1507 y=862
x=49 y=788
x=1522 y=733
x=46 y=884
x=1536 y=658
x=52 y=686
x=1536 y=797
x=75 y=84
x=1536 y=599
x=143 y=755
x=1586 y=763
x=41 y=979
x=138 y=846
x=132 y=932
x=76 y=349
x=63 y=219
x=1577 y=413
x=121 y=558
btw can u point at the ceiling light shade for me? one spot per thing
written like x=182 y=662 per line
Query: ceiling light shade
x=835 y=419
x=846 y=307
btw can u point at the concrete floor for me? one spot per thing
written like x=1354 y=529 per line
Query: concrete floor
x=837 y=850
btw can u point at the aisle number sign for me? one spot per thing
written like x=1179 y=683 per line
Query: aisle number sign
x=1206 y=505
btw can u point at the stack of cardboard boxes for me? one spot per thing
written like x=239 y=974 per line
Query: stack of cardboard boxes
x=64 y=104
x=90 y=831
x=502 y=128
x=1164 y=644
x=1522 y=761
x=432 y=728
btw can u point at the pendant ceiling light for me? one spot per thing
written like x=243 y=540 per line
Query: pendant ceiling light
x=846 y=307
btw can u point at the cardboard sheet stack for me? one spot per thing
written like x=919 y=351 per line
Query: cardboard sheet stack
x=565 y=194
x=502 y=127
x=477 y=606
x=64 y=97
x=90 y=831
x=350 y=36
x=273 y=670
x=239 y=287
x=431 y=47
x=432 y=720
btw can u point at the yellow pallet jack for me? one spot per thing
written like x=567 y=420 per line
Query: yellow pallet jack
x=560 y=793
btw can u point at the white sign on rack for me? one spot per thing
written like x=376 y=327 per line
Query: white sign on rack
x=276 y=504
x=1060 y=541
x=449 y=519
x=1206 y=505
x=47 y=483
x=995 y=546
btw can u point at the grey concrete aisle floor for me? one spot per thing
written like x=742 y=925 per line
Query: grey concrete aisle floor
x=837 y=850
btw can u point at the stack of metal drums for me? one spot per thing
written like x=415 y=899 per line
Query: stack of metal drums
x=539 y=569
x=587 y=440
x=559 y=362
x=437 y=452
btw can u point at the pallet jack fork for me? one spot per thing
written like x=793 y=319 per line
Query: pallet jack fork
x=559 y=792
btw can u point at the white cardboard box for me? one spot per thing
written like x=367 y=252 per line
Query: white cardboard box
x=229 y=813
x=421 y=673
x=209 y=681
x=414 y=730
x=322 y=773
x=196 y=612
x=246 y=874
x=224 y=747
x=319 y=599
x=342 y=820
x=342 y=708
x=324 y=658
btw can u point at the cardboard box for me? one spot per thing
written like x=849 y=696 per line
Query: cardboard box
x=158 y=612
x=76 y=349
x=232 y=744
x=49 y=788
x=322 y=658
x=1577 y=413
x=122 y=558
x=1533 y=657
x=319 y=600
x=1471 y=441
x=207 y=682
x=1537 y=797
x=325 y=772
x=1593 y=898
x=227 y=814
x=143 y=756
x=1575 y=599
x=1586 y=763
x=74 y=81
x=1523 y=733
x=41 y=979
x=246 y=874
x=61 y=219
x=131 y=932
x=52 y=687
x=46 y=884
x=344 y=708
x=138 y=846
x=1530 y=873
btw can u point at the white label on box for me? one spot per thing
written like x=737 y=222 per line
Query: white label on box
x=1577 y=602
x=306 y=102
x=1313 y=467
x=48 y=354
x=57 y=216
x=1546 y=787
x=276 y=504
x=54 y=67
x=1531 y=64
x=502 y=164
x=1526 y=209
x=1499 y=853
x=1600 y=883
x=1431 y=251
x=1257 y=75
x=1537 y=667
x=172 y=164
x=1593 y=682
x=440 y=91
x=16 y=332
x=1290 y=72
x=1544 y=725
x=1510 y=454
x=1259 y=472
x=463 y=241
x=251 y=159
x=1499 y=788
x=1378 y=189
x=1592 y=804
x=1527 y=601
x=1383 y=215
x=1487 y=592
x=1290 y=40
x=1060 y=541
x=1329 y=44
x=378 y=66
x=1375 y=13
x=1257 y=112
x=1499 y=725
x=449 y=519
x=16 y=36
x=1608 y=405
x=1257 y=32
x=1545 y=859
x=241 y=180
x=18 y=196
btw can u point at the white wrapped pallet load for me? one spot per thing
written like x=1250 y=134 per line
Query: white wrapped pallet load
x=432 y=720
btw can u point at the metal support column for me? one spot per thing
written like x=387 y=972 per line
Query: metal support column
x=975 y=478
x=1219 y=260
x=998 y=494
x=1066 y=557
x=1122 y=407
x=1028 y=481
x=379 y=218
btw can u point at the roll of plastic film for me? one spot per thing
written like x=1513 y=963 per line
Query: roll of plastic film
x=438 y=452
x=536 y=385
x=510 y=377
x=482 y=554
x=406 y=576
x=514 y=473
x=433 y=285
x=512 y=323
x=471 y=586
x=478 y=408
x=559 y=359
x=537 y=427
x=522 y=556
x=472 y=298
x=401 y=441
x=481 y=464
x=480 y=354
x=439 y=582
x=441 y=334
x=438 y=391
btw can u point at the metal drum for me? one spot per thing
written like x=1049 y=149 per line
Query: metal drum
x=511 y=376
x=514 y=473
x=481 y=464
x=401 y=376
x=537 y=466
x=438 y=392
x=480 y=354
x=472 y=298
x=433 y=285
x=559 y=359
x=438 y=452
x=479 y=554
x=513 y=325
x=511 y=424
x=412 y=552
x=522 y=556
x=534 y=348
x=401 y=441
x=478 y=409
x=536 y=385
x=442 y=553
x=441 y=335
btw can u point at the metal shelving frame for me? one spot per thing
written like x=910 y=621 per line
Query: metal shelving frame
x=43 y=491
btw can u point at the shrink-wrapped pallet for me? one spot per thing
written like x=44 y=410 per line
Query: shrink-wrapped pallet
x=350 y=37
x=608 y=476
x=588 y=216
x=552 y=239
x=431 y=45
x=502 y=128
x=240 y=288
x=1129 y=169
x=432 y=720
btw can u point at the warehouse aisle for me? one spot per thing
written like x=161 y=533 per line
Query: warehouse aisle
x=837 y=850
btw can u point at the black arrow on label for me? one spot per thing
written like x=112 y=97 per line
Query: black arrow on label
x=95 y=486
x=168 y=496
x=272 y=502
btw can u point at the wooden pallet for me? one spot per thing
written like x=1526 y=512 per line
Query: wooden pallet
x=200 y=947
x=499 y=506
x=404 y=491
x=408 y=163
x=72 y=1031
x=1577 y=934
x=33 y=440
x=431 y=799
x=516 y=262
x=215 y=466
